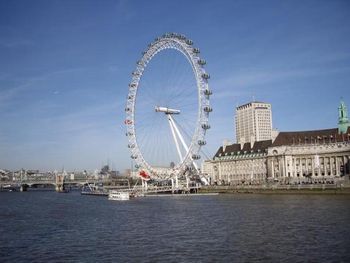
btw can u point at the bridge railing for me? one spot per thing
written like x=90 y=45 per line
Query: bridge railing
x=52 y=181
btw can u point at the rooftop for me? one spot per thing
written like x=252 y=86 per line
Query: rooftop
x=258 y=147
x=311 y=137
x=249 y=103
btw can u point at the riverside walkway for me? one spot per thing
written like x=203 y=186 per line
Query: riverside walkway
x=276 y=188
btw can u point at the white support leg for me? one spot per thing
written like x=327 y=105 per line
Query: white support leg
x=175 y=139
x=178 y=133
x=172 y=185
x=181 y=139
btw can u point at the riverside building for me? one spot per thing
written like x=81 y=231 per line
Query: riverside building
x=253 y=122
x=318 y=156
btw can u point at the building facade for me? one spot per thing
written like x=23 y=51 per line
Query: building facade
x=253 y=122
x=320 y=156
x=236 y=165
x=303 y=157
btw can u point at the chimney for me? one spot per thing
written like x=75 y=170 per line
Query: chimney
x=225 y=143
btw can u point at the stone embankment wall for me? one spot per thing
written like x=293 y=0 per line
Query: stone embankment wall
x=278 y=189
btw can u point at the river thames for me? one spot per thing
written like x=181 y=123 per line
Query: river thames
x=53 y=227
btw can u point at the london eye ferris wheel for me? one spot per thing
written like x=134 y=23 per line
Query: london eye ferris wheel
x=167 y=108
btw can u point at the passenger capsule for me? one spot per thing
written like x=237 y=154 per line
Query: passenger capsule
x=128 y=122
x=144 y=175
x=201 y=142
x=196 y=50
x=205 y=76
x=189 y=42
x=205 y=126
x=202 y=62
x=208 y=92
x=133 y=156
x=196 y=157
x=127 y=109
x=208 y=109
x=132 y=85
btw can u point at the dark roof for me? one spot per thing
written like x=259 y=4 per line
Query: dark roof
x=249 y=103
x=310 y=137
x=262 y=145
x=235 y=148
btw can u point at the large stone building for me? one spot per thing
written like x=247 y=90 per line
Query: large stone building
x=238 y=164
x=309 y=156
x=253 y=122
x=319 y=156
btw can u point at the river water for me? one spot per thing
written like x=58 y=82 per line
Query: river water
x=54 y=227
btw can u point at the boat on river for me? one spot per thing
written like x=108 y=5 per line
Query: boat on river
x=119 y=195
x=93 y=189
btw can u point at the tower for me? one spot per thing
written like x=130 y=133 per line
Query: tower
x=343 y=121
x=253 y=122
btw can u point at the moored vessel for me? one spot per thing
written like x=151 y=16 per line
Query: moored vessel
x=93 y=189
x=119 y=195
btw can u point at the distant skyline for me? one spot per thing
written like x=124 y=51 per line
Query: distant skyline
x=65 y=68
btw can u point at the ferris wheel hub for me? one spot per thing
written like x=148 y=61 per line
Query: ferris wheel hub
x=166 y=110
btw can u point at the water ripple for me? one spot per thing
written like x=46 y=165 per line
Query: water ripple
x=51 y=227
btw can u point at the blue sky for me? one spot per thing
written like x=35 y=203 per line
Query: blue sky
x=65 y=67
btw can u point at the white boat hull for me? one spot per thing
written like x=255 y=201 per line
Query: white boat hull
x=118 y=196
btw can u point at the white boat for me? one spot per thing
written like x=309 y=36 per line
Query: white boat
x=118 y=195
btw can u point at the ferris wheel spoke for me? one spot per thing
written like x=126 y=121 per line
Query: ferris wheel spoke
x=183 y=130
x=187 y=100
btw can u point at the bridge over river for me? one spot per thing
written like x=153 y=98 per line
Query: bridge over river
x=59 y=182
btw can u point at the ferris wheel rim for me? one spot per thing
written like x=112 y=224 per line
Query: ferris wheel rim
x=184 y=46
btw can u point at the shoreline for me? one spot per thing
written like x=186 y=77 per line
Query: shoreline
x=275 y=190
